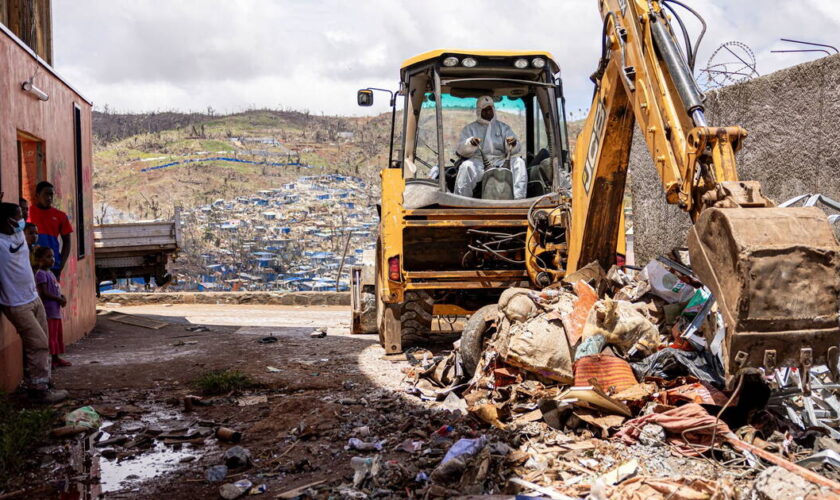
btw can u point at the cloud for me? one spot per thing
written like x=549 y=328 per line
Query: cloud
x=190 y=54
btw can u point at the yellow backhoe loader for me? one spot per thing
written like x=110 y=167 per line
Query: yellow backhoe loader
x=773 y=271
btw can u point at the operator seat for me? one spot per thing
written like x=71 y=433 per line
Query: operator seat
x=497 y=184
x=540 y=175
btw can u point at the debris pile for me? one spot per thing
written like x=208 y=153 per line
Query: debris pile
x=577 y=376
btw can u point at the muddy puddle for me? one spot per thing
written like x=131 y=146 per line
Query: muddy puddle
x=142 y=445
x=116 y=475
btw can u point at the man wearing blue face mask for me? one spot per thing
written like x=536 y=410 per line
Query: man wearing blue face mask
x=20 y=303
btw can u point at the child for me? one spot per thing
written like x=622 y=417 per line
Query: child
x=53 y=300
x=30 y=232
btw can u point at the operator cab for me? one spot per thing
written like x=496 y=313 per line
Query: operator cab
x=439 y=91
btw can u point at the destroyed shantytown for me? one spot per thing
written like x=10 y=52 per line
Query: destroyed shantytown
x=594 y=256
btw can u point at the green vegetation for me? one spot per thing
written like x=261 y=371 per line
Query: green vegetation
x=222 y=381
x=21 y=431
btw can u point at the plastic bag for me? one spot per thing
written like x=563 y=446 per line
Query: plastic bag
x=590 y=346
x=665 y=284
x=622 y=325
x=465 y=448
x=696 y=303
x=85 y=416
x=670 y=363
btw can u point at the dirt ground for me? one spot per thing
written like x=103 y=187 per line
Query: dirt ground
x=312 y=396
x=318 y=391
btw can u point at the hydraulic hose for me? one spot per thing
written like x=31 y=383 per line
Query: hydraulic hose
x=684 y=82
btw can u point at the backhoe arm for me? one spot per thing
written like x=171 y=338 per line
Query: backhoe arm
x=773 y=271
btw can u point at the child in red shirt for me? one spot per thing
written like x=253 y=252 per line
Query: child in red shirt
x=54 y=226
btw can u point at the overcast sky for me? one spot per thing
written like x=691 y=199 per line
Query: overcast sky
x=145 y=55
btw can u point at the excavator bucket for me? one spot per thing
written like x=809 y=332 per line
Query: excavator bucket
x=775 y=273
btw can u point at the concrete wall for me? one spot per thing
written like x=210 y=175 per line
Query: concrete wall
x=268 y=298
x=50 y=121
x=793 y=147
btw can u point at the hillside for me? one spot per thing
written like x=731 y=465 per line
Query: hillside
x=147 y=164
x=213 y=157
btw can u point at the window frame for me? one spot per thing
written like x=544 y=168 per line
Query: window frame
x=78 y=164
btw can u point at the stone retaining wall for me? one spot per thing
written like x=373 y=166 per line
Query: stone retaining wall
x=793 y=147
x=265 y=298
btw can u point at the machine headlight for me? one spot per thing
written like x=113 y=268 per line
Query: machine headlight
x=520 y=63
x=469 y=62
x=450 y=61
x=538 y=62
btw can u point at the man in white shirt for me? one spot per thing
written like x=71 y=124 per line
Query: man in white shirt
x=20 y=303
x=492 y=141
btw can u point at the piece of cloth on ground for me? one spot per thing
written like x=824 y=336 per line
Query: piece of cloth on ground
x=689 y=428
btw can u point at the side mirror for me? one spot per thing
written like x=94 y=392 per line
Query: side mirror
x=365 y=97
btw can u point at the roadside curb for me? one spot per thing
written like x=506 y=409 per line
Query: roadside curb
x=266 y=298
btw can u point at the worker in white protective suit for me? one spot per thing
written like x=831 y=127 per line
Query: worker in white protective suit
x=496 y=141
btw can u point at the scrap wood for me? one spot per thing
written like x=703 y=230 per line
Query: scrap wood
x=639 y=392
x=128 y=319
x=68 y=430
x=684 y=488
x=579 y=445
x=620 y=473
x=602 y=422
x=594 y=398
x=296 y=492
x=549 y=492
x=806 y=474
x=531 y=416
x=488 y=413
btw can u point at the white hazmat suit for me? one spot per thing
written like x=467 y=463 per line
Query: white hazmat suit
x=493 y=135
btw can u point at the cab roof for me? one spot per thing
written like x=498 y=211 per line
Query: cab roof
x=435 y=54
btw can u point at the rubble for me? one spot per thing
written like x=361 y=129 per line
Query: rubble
x=633 y=356
x=237 y=456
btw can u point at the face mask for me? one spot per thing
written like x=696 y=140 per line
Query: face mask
x=17 y=226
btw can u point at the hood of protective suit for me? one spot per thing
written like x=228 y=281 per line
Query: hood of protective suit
x=483 y=102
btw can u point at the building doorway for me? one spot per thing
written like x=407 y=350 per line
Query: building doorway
x=32 y=167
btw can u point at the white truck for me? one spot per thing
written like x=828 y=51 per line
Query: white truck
x=136 y=250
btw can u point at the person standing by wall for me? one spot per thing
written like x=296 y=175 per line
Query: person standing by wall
x=53 y=300
x=20 y=303
x=54 y=227
x=30 y=232
x=24 y=208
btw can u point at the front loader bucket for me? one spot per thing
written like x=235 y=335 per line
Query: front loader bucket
x=775 y=273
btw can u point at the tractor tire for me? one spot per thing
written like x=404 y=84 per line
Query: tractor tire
x=416 y=317
x=477 y=329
